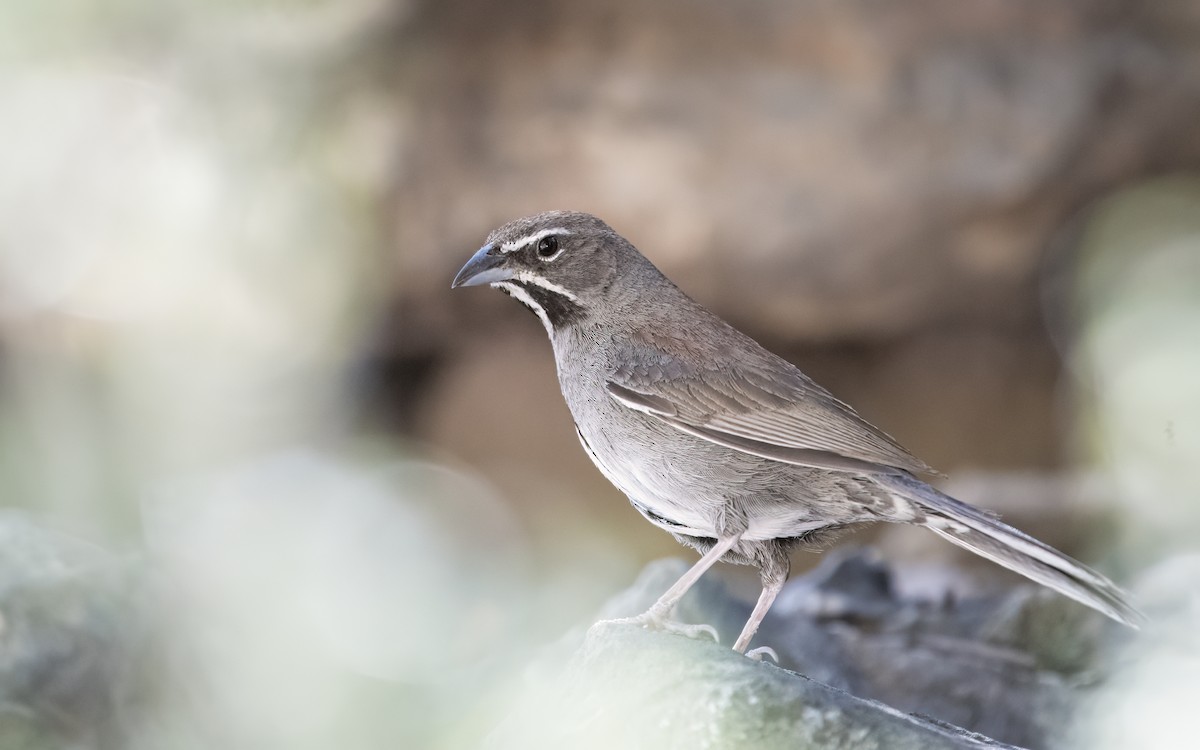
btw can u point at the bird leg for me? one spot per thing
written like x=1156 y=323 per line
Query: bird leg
x=774 y=575
x=657 y=617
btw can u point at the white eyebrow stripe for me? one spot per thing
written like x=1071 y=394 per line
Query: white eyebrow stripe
x=511 y=247
x=549 y=286
x=523 y=297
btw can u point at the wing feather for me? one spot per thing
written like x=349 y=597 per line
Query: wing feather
x=779 y=414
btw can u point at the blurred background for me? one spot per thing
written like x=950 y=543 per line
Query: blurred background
x=268 y=483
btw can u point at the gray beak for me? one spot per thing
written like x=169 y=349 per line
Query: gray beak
x=484 y=267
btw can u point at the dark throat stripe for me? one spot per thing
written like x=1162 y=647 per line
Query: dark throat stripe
x=560 y=311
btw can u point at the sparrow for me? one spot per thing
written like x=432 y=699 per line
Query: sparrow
x=726 y=446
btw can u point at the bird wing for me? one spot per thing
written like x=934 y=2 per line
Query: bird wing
x=765 y=407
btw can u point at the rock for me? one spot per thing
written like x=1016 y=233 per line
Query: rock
x=75 y=645
x=1006 y=666
x=91 y=660
x=627 y=687
x=828 y=171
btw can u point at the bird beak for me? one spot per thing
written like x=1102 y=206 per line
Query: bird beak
x=484 y=267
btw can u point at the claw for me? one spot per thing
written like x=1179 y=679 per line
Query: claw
x=757 y=654
x=651 y=620
x=693 y=631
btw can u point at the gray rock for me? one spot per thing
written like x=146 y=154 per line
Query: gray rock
x=88 y=663
x=75 y=642
x=842 y=171
x=627 y=687
x=1011 y=666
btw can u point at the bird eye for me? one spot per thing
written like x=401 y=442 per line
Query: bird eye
x=547 y=246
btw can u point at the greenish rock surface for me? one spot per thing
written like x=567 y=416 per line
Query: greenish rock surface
x=631 y=688
x=863 y=666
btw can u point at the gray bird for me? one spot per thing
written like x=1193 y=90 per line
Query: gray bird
x=723 y=444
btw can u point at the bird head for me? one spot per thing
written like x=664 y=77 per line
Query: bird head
x=559 y=264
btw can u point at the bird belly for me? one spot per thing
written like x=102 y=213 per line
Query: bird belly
x=650 y=492
x=695 y=488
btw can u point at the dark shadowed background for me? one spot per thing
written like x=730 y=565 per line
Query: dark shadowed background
x=229 y=351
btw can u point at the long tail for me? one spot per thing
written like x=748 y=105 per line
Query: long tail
x=973 y=529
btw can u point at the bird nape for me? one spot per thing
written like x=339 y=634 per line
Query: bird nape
x=730 y=448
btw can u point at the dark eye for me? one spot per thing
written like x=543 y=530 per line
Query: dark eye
x=547 y=246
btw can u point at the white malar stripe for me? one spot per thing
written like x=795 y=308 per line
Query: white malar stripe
x=515 y=245
x=532 y=278
x=523 y=297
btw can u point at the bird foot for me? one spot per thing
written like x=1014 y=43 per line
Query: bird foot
x=757 y=654
x=652 y=620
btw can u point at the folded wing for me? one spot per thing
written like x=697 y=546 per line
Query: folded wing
x=768 y=409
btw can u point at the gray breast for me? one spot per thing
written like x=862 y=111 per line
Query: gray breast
x=689 y=486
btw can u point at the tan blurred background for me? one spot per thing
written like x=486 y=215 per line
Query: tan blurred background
x=890 y=195
x=228 y=343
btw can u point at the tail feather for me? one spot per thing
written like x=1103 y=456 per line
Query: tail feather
x=981 y=533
